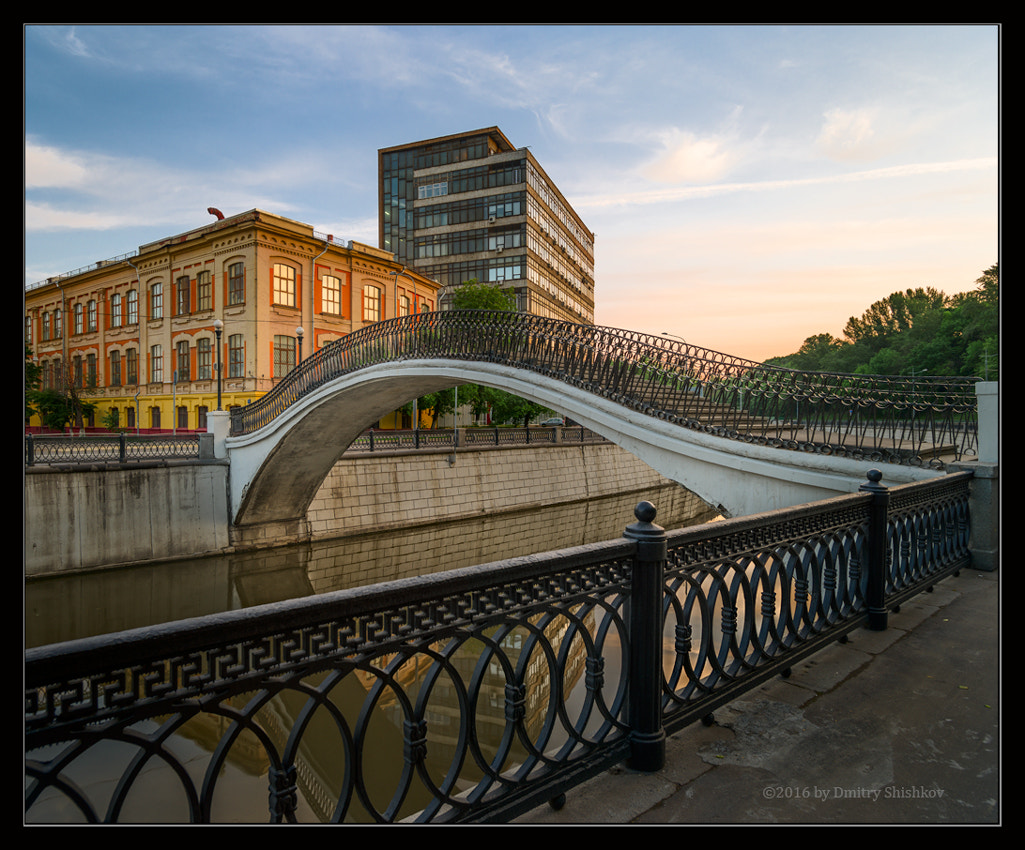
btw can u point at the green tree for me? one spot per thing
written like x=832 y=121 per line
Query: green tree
x=505 y=407
x=474 y=295
x=33 y=375
x=917 y=331
x=895 y=314
x=58 y=409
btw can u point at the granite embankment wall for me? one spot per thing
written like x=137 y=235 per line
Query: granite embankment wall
x=104 y=517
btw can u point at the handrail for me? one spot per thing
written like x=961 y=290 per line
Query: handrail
x=920 y=420
x=476 y=694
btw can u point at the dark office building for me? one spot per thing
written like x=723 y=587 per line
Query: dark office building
x=471 y=206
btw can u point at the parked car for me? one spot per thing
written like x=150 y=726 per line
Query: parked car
x=551 y=423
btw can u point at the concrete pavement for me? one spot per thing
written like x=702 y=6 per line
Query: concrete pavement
x=894 y=727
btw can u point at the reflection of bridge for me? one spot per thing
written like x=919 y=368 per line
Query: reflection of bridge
x=719 y=425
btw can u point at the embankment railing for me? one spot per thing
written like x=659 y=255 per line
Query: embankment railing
x=472 y=695
x=53 y=449
x=61 y=450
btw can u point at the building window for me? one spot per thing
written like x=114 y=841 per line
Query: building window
x=204 y=359
x=90 y=366
x=182 y=360
x=183 y=416
x=156 y=365
x=46 y=328
x=28 y=329
x=115 y=368
x=91 y=324
x=284 y=285
x=115 y=416
x=403 y=305
x=331 y=295
x=284 y=355
x=132 y=366
x=204 y=292
x=237 y=283
x=115 y=311
x=183 y=302
x=156 y=301
x=432 y=190
x=236 y=357
x=371 y=303
x=76 y=371
x=58 y=330
x=79 y=314
x=133 y=307
x=201 y=417
x=154 y=417
x=130 y=416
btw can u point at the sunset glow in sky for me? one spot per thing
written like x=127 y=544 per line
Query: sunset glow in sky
x=748 y=186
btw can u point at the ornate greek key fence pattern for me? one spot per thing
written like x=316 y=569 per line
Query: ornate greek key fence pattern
x=910 y=420
x=472 y=695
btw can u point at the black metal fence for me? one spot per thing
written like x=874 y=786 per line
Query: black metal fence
x=920 y=420
x=472 y=695
x=114 y=448
x=473 y=438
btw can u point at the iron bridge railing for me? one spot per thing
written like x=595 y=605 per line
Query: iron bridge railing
x=917 y=420
x=472 y=695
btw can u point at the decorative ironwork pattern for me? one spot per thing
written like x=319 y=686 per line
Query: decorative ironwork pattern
x=918 y=420
x=404 y=440
x=115 y=448
x=471 y=695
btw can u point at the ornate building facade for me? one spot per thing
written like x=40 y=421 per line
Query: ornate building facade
x=138 y=335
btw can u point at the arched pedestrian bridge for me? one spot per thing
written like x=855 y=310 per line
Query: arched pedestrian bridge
x=740 y=434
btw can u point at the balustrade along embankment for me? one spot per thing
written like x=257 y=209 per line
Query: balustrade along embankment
x=476 y=694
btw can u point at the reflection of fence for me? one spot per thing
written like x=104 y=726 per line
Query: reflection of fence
x=413 y=700
x=115 y=448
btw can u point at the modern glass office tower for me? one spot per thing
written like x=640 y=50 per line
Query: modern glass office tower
x=472 y=206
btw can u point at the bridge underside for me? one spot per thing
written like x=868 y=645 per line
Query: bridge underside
x=277 y=471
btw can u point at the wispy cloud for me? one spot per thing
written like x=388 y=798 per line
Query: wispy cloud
x=671 y=194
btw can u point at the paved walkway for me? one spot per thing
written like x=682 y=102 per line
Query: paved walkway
x=894 y=727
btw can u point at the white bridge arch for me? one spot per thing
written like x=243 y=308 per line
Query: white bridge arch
x=742 y=435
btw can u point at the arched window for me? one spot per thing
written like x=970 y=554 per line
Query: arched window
x=371 y=303
x=156 y=301
x=331 y=295
x=283 y=282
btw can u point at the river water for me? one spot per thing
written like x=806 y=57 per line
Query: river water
x=111 y=600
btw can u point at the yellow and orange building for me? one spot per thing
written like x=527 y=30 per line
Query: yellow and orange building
x=138 y=335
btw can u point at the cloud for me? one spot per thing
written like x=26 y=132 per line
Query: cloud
x=666 y=195
x=48 y=167
x=691 y=159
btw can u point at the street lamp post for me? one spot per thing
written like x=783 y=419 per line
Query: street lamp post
x=299 y=335
x=218 y=328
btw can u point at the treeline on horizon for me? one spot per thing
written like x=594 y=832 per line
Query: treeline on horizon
x=915 y=332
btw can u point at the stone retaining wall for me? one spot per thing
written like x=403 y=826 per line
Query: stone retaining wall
x=374 y=493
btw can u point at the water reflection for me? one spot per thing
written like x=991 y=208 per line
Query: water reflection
x=65 y=608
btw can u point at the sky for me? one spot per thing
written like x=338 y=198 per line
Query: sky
x=748 y=186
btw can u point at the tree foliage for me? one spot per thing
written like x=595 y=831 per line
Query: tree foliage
x=504 y=406
x=56 y=408
x=918 y=331
x=474 y=295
